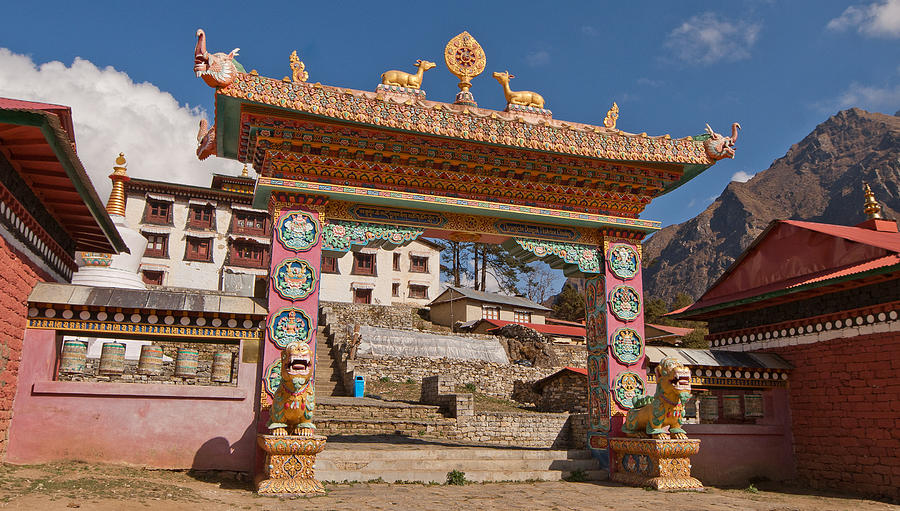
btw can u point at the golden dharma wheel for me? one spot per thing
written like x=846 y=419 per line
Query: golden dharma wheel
x=465 y=59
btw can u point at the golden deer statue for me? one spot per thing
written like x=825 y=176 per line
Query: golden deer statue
x=403 y=79
x=522 y=97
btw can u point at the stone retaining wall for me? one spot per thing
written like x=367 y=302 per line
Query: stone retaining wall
x=570 y=355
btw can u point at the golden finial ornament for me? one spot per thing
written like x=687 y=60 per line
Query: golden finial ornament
x=872 y=208
x=298 y=68
x=244 y=172
x=465 y=59
x=611 y=117
x=116 y=203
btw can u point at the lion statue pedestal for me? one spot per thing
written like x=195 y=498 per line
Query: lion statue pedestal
x=663 y=465
x=289 y=464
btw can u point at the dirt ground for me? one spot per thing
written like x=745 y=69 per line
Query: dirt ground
x=66 y=486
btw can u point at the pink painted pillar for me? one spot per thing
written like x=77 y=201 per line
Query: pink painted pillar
x=293 y=287
x=614 y=323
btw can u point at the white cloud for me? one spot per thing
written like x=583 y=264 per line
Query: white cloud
x=114 y=114
x=538 y=58
x=648 y=82
x=589 y=31
x=741 y=176
x=878 y=19
x=705 y=39
x=878 y=99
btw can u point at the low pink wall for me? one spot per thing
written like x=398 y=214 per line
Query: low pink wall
x=732 y=454
x=152 y=425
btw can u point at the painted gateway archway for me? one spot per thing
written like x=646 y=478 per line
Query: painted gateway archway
x=341 y=169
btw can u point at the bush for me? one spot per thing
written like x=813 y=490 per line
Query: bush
x=456 y=478
x=384 y=379
x=470 y=387
x=577 y=476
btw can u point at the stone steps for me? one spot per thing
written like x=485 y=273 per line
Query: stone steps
x=431 y=463
x=328 y=379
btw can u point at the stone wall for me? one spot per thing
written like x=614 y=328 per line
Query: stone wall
x=578 y=430
x=570 y=355
x=845 y=404
x=545 y=431
x=489 y=378
x=167 y=375
x=341 y=315
x=17 y=280
x=565 y=393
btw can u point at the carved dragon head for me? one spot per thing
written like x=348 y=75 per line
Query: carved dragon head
x=296 y=366
x=216 y=69
x=673 y=379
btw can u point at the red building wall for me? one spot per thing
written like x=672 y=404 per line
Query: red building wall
x=18 y=277
x=845 y=400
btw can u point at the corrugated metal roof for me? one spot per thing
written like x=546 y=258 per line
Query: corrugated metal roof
x=481 y=296
x=717 y=358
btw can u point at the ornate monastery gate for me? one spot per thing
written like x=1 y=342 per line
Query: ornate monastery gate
x=341 y=169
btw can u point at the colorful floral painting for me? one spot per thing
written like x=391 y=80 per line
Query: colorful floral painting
x=622 y=261
x=289 y=325
x=625 y=303
x=626 y=386
x=627 y=346
x=294 y=279
x=297 y=231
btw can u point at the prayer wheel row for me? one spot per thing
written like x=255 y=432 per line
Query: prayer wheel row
x=73 y=360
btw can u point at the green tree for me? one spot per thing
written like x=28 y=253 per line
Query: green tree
x=455 y=258
x=569 y=304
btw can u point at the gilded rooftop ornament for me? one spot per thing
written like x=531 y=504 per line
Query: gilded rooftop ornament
x=518 y=97
x=298 y=69
x=872 y=208
x=465 y=59
x=116 y=203
x=403 y=79
x=612 y=116
x=216 y=69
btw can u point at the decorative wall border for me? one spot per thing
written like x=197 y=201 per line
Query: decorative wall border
x=733 y=377
x=97 y=327
x=340 y=235
x=584 y=257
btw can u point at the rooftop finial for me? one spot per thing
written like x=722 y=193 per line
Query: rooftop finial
x=116 y=203
x=465 y=59
x=244 y=172
x=872 y=208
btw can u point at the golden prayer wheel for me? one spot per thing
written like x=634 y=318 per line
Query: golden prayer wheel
x=73 y=357
x=112 y=359
x=151 y=361
x=186 y=362
x=221 y=367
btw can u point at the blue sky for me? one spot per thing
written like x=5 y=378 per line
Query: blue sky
x=777 y=67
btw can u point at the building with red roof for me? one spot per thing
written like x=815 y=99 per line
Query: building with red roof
x=826 y=298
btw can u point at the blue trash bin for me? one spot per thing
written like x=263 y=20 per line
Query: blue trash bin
x=359 y=387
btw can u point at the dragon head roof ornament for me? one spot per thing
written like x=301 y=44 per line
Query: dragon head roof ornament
x=719 y=147
x=216 y=69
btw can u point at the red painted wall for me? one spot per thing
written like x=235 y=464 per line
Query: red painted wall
x=18 y=277
x=845 y=400
x=155 y=425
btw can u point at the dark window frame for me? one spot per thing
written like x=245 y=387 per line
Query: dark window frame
x=153 y=212
x=364 y=270
x=188 y=256
x=162 y=253
x=424 y=289
x=153 y=281
x=330 y=265
x=240 y=221
x=396 y=261
x=236 y=257
x=418 y=268
x=196 y=218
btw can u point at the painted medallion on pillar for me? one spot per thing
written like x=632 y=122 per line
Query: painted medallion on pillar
x=625 y=303
x=626 y=386
x=288 y=325
x=272 y=377
x=627 y=346
x=297 y=231
x=622 y=260
x=294 y=279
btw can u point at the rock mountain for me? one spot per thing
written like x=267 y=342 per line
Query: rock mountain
x=819 y=180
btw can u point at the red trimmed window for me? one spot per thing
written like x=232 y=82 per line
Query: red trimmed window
x=243 y=222
x=418 y=264
x=158 y=212
x=251 y=255
x=363 y=264
x=201 y=217
x=417 y=291
x=198 y=249
x=490 y=313
x=157 y=245
x=396 y=262
x=362 y=296
x=152 y=277
x=329 y=264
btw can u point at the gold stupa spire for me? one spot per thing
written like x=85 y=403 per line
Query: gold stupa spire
x=116 y=203
x=244 y=172
x=872 y=209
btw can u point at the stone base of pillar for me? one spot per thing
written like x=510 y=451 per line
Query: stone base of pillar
x=289 y=466
x=663 y=465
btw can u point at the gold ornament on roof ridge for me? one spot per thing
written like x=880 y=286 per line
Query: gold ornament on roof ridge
x=612 y=116
x=872 y=208
x=465 y=58
x=298 y=69
x=116 y=203
x=407 y=80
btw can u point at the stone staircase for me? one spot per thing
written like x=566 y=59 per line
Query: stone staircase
x=430 y=462
x=328 y=378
